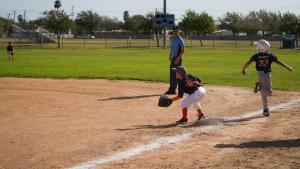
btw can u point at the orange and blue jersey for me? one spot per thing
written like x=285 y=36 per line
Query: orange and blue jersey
x=183 y=86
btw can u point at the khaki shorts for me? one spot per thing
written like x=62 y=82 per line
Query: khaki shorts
x=264 y=80
x=10 y=53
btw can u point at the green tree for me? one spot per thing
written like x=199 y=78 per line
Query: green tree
x=263 y=19
x=1 y=27
x=188 y=22
x=87 y=21
x=57 y=4
x=106 y=23
x=298 y=26
x=20 y=19
x=288 y=23
x=205 y=24
x=274 y=22
x=138 y=23
x=57 y=21
x=127 y=21
x=250 y=24
x=231 y=21
x=199 y=23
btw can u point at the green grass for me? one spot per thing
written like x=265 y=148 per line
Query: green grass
x=213 y=66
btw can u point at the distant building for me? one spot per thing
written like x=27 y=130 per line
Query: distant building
x=224 y=33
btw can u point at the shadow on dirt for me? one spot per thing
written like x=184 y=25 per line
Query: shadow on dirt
x=221 y=121
x=129 y=97
x=164 y=126
x=204 y=122
x=263 y=144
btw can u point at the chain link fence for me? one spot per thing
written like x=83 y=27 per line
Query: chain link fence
x=206 y=42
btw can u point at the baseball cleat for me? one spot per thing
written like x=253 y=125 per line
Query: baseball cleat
x=257 y=88
x=182 y=121
x=201 y=117
x=266 y=113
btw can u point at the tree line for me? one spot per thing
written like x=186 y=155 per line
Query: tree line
x=191 y=23
x=265 y=21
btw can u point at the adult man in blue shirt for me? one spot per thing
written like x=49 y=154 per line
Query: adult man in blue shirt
x=176 y=54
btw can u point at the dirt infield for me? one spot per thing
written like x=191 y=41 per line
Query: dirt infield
x=60 y=123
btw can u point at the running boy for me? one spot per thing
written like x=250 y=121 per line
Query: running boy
x=10 y=51
x=192 y=86
x=263 y=60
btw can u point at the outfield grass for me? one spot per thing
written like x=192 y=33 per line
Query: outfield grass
x=213 y=66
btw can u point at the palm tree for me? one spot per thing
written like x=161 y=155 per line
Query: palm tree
x=57 y=4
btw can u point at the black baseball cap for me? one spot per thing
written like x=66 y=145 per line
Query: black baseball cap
x=180 y=69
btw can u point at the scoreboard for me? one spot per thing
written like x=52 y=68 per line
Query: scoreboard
x=164 y=20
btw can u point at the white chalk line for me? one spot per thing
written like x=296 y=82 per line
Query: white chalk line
x=164 y=141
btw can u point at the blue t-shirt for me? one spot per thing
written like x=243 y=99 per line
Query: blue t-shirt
x=184 y=88
x=264 y=61
x=176 y=45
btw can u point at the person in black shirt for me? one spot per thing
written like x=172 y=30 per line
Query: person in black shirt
x=10 y=51
x=263 y=60
x=192 y=86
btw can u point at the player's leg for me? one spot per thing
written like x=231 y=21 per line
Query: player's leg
x=184 y=105
x=199 y=94
x=264 y=99
x=9 y=55
x=266 y=90
x=12 y=56
x=184 y=118
x=257 y=85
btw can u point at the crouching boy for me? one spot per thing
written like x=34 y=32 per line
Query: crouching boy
x=192 y=86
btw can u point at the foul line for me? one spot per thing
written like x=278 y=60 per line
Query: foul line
x=164 y=141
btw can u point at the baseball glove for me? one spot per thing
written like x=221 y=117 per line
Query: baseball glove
x=164 y=101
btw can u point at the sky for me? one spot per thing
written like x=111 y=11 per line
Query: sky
x=115 y=8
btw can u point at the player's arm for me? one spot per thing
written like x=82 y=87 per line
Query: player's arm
x=181 y=52
x=179 y=96
x=246 y=66
x=281 y=63
x=179 y=56
x=175 y=98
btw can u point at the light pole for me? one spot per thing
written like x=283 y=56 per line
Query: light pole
x=165 y=29
x=7 y=28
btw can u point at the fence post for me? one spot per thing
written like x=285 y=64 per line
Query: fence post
x=149 y=43
x=235 y=45
x=191 y=40
x=19 y=42
x=129 y=42
x=84 y=42
x=213 y=43
x=62 y=41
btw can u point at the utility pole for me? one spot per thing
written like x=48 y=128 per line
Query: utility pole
x=165 y=29
x=72 y=14
x=24 y=18
x=15 y=13
x=7 y=28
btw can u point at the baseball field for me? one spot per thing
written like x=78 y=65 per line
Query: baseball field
x=97 y=108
